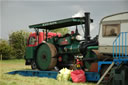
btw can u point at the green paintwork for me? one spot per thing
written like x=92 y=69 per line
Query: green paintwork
x=90 y=54
x=29 y=53
x=65 y=58
x=59 y=23
x=62 y=41
x=73 y=48
x=43 y=62
x=93 y=47
x=69 y=49
x=51 y=40
x=119 y=75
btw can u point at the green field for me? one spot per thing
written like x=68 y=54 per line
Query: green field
x=11 y=65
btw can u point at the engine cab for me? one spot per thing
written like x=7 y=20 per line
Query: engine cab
x=34 y=40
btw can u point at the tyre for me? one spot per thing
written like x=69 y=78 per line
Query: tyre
x=33 y=65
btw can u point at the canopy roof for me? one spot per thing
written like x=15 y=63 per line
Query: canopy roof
x=59 y=23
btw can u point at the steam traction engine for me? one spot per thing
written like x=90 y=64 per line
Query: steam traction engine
x=62 y=51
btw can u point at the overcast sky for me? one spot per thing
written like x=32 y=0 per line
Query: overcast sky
x=18 y=14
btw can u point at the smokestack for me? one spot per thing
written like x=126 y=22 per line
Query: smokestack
x=87 y=26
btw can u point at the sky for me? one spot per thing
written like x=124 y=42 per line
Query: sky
x=19 y=14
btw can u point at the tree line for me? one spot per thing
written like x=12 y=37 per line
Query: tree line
x=15 y=46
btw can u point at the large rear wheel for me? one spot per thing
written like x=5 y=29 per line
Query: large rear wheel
x=46 y=57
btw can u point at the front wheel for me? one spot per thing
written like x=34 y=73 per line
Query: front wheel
x=33 y=65
x=46 y=57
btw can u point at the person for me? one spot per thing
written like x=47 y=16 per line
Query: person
x=112 y=32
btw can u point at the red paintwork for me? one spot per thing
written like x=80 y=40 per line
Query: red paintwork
x=60 y=59
x=42 y=37
x=64 y=42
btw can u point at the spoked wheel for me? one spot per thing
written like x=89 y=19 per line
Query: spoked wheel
x=33 y=65
x=46 y=57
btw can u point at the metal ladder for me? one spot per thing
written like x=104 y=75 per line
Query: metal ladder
x=120 y=45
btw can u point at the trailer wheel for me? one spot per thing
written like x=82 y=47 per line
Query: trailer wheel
x=33 y=65
x=46 y=57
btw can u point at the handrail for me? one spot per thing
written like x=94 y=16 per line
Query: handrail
x=117 y=37
x=120 y=45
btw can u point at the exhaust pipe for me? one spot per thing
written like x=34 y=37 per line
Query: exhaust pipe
x=88 y=42
x=87 y=26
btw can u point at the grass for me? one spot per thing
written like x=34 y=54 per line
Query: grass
x=11 y=65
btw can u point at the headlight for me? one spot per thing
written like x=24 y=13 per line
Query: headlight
x=78 y=37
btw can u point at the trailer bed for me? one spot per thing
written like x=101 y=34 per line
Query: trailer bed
x=90 y=76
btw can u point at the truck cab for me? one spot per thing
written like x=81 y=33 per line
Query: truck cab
x=34 y=40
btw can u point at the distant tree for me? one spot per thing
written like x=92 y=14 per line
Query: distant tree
x=6 y=50
x=61 y=30
x=18 y=41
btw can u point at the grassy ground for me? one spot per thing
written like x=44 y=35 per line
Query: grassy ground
x=11 y=65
